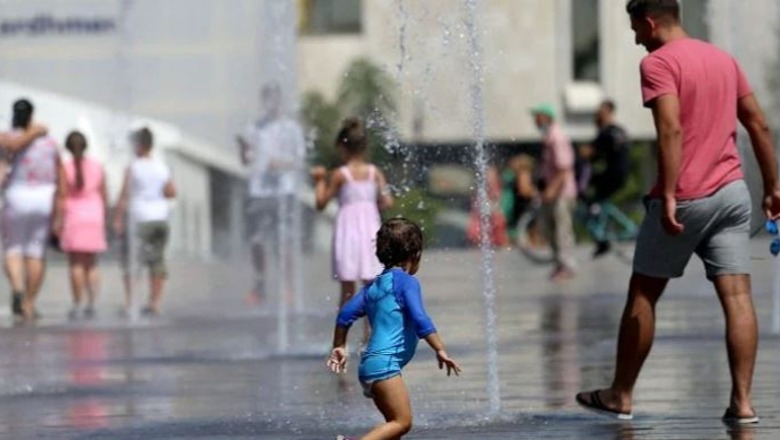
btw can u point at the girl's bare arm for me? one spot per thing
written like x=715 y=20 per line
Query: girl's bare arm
x=326 y=187
x=384 y=198
x=59 y=198
x=121 y=205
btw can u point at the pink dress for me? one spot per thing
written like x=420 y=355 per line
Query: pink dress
x=354 y=234
x=83 y=228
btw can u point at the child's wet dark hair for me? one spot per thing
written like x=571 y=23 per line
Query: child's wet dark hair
x=352 y=136
x=398 y=241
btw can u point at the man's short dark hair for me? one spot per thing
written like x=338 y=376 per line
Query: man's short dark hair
x=609 y=104
x=640 y=9
x=143 y=137
x=398 y=241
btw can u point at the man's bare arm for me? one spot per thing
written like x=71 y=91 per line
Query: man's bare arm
x=752 y=118
x=14 y=143
x=666 y=114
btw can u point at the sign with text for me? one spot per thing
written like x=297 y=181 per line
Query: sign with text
x=49 y=25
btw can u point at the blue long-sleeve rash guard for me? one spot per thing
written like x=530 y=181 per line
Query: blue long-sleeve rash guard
x=394 y=307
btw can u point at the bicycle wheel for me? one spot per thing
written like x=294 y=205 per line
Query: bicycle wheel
x=530 y=238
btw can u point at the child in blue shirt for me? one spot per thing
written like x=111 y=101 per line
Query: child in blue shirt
x=393 y=304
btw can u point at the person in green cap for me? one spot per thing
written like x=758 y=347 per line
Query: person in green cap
x=559 y=193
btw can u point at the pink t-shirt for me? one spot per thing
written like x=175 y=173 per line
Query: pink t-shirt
x=708 y=82
x=558 y=155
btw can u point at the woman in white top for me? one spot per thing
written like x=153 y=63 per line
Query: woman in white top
x=28 y=201
x=143 y=201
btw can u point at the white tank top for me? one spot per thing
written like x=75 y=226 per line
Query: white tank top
x=148 y=178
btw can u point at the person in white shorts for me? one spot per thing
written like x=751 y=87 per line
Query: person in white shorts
x=28 y=200
x=143 y=201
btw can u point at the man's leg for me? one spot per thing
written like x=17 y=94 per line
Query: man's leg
x=741 y=338
x=564 y=238
x=637 y=330
x=262 y=236
x=258 y=264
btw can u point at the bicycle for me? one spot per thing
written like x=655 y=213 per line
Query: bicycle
x=606 y=222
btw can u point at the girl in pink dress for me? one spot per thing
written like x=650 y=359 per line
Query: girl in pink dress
x=362 y=191
x=80 y=219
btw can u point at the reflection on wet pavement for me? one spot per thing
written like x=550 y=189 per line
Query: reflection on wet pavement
x=208 y=368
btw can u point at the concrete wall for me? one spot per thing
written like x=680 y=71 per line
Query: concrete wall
x=526 y=59
x=191 y=219
x=197 y=64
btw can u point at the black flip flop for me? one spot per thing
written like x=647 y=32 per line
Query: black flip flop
x=731 y=418
x=597 y=406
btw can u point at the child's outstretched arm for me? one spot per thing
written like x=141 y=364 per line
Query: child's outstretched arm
x=325 y=188
x=413 y=305
x=384 y=198
x=352 y=310
x=441 y=355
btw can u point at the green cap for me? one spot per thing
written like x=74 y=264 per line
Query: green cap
x=544 y=109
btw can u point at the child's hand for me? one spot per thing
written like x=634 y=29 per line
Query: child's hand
x=337 y=361
x=443 y=359
x=319 y=173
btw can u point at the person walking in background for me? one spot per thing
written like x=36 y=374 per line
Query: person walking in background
x=700 y=203
x=143 y=207
x=362 y=192
x=611 y=169
x=559 y=195
x=498 y=232
x=518 y=191
x=80 y=223
x=28 y=203
x=274 y=148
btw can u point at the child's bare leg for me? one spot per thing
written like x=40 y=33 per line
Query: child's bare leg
x=392 y=399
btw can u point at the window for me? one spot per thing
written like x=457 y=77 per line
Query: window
x=585 y=39
x=695 y=18
x=330 y=16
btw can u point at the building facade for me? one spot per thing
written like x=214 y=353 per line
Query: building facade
x=570 y=53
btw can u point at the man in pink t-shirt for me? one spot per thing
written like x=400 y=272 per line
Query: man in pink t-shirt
x=560 y=191
x=700 y=203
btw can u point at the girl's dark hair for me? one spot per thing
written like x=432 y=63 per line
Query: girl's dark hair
x=352 y=136
x=22 y=113
x=398 y=241
x=76 y=143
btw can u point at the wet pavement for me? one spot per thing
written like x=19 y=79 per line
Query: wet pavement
x=210 y=368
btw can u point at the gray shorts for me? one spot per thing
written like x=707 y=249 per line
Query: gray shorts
x=263 y=215
x=152 y=238
x=717 y=229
